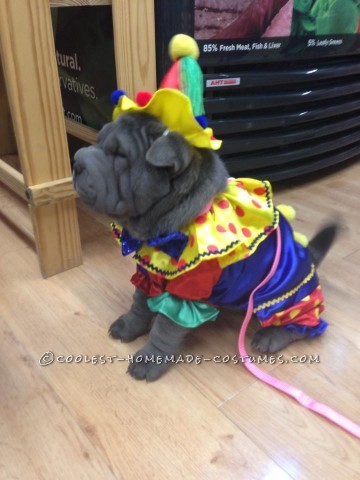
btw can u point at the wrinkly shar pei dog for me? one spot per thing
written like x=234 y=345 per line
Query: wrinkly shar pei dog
x=201 y=241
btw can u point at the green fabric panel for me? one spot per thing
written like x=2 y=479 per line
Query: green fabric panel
x=191 y=79
x=186 y=313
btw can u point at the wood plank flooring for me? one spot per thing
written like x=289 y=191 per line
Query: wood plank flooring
x=90 y=420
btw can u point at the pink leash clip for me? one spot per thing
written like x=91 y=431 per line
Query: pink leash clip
x=284 y=387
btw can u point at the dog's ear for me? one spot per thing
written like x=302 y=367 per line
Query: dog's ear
x=170 y=151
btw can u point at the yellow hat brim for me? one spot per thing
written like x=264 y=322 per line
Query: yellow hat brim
x=174 y=109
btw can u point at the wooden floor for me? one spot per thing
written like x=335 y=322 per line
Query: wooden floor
x=83 y=420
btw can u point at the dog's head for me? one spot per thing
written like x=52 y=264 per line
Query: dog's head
x=142 y=175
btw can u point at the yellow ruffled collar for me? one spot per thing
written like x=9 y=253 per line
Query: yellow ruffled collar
x=239 y=219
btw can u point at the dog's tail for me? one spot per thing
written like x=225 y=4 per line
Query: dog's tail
x=321 y=243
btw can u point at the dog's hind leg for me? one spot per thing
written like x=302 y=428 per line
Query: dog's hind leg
x=297 y=322
x=134 y=323
x=271 y=339
x=165 y=340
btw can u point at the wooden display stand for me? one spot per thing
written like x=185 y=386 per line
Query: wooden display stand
x=33 y=101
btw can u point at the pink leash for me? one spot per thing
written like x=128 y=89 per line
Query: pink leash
x=284 y=387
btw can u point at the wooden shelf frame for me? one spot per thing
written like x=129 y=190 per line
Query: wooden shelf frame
x=12 y=178
x=27 y=53
x=30 y=103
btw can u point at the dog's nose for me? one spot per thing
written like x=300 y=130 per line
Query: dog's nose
x=77 y=167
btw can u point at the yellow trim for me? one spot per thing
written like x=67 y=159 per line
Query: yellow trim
x=174 y=109
x=270 y=303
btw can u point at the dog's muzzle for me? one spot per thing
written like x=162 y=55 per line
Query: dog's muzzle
x=97 y=182
x=83 y=183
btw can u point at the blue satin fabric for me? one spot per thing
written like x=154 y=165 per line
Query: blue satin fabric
x=309 y=331
x=128 y=243
x=238 y=280
x=172 y=244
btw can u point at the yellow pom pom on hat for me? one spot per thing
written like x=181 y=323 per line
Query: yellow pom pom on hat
x=183 y=46
x=174 y=109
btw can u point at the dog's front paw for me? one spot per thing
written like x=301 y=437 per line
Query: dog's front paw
x=149 y=363
x=272 y=339
x=126 y=328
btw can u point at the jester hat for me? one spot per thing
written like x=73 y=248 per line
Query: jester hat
x=179 y=101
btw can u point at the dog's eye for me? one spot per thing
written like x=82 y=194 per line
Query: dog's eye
x=110 y=145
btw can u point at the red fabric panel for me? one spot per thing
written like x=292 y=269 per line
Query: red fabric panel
x=307 y=312
x=198 y=283
x=172 y=77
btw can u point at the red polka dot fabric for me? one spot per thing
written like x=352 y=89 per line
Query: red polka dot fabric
x=230 y=229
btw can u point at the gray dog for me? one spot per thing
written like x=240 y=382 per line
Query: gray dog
x=153 y=182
